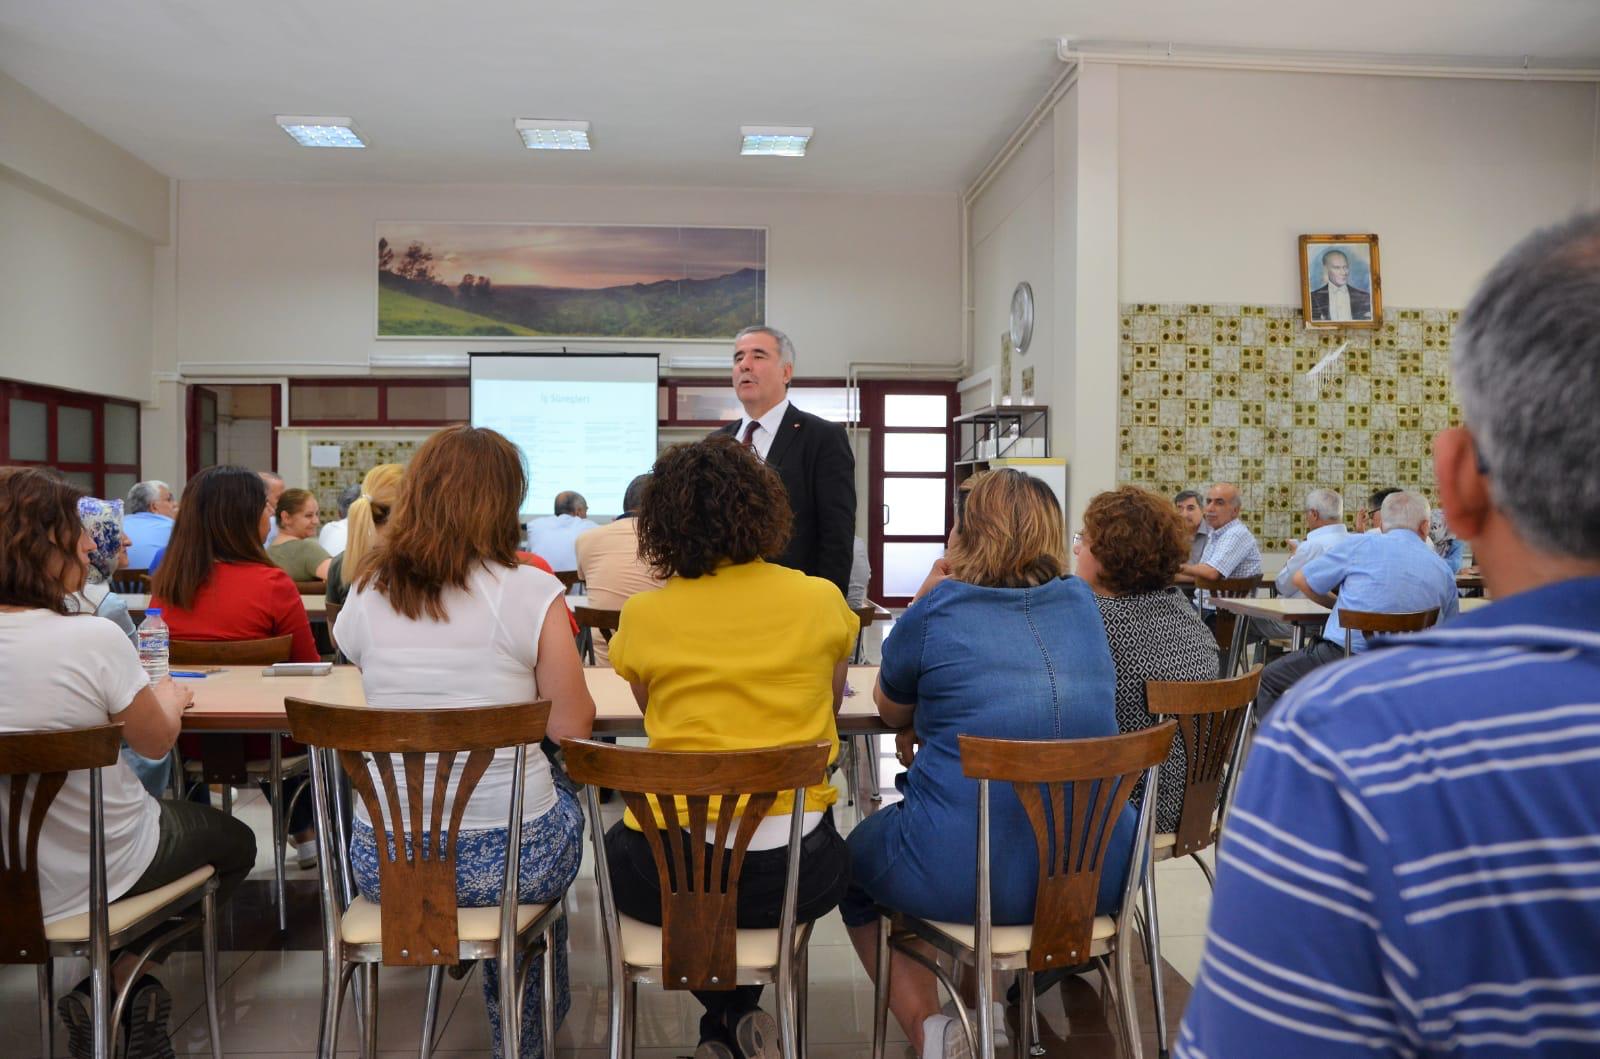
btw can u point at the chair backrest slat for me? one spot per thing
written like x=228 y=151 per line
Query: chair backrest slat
x=264 y=652
x=417 y=869
x=595 y=618
x=1368 y=622
x=1084 y=782
x=699 y=886
x=1210 y=716
x=38 y=763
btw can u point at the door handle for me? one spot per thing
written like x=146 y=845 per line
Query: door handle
x=885 y=514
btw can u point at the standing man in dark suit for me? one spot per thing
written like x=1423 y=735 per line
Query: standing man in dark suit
x=810 y=454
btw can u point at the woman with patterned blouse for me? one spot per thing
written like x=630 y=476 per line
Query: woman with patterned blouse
x=1131 y=545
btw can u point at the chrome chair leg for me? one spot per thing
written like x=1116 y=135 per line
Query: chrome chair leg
x=369 y=1005
x=880 y=992
x=47 y=1022
x=1125 y=1004
x=208 y=965
x=547 y=991
x=801 y=982
x=630 y=1018
x=1211 y=879
x=332 y=1002
x=1028 y=1022
x=430 y=1009
x=1152 y=948
x=279 y=828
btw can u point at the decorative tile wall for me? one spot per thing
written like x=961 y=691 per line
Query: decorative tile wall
x=356 y=458
x=1245 y=393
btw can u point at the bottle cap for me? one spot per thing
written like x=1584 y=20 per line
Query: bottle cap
x=152 y=610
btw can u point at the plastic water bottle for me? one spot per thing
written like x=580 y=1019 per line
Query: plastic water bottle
x=154 y=642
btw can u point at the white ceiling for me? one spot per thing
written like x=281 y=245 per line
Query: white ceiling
x=905 y=96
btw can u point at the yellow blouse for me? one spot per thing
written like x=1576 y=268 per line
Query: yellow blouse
x=738 y=660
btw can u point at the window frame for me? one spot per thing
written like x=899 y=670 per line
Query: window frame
x=53 y=397
x=382 y=385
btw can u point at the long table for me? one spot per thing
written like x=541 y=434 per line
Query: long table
x=1297 y=612
x=241 y=699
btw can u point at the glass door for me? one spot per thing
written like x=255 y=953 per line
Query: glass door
x=909 y=490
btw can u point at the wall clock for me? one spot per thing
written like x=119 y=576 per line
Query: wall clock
x=1022 y=318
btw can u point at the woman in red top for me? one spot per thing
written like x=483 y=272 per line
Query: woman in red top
x=216 y=583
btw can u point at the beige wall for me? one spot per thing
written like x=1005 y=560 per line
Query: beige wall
x=1222 y=170
x=283 y=275
x=80 y=219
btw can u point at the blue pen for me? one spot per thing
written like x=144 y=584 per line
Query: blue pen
x=182 y=673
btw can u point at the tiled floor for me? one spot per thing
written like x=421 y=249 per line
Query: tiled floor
x=271 y=985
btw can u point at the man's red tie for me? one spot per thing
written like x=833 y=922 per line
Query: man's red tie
x=748 y=441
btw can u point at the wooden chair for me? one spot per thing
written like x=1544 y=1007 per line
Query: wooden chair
x=1094 y=777
x=419 y=923
x=698 y=946
x=331 y=619
x=568 y=578
x=591 y=620
x=1227 y=622
x=1212 y=717
x=311 y=588
x=222 y=759
x=41 y=761
x=1371 y=622
x=131 y=582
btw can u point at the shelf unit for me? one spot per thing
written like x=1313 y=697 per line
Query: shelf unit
x=1000 y=433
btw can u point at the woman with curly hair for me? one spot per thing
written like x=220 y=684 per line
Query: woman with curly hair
x=1132 y=544
x=1000 y=642
x=732 y=653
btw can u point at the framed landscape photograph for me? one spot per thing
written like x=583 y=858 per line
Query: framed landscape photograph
x=456 y=280
x=1339 y=281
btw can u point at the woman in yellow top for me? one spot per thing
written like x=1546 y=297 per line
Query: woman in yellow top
x=733 y=653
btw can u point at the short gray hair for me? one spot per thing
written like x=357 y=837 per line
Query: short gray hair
x=144 y=494
x=1405 y=510
x=1189 y=494
x=785 y=347
x=1326 y=503
x=1526 y=362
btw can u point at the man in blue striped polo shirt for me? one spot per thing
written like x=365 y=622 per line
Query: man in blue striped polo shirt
x=1413 y=862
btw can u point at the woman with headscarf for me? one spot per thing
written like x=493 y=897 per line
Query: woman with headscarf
x=102 y=520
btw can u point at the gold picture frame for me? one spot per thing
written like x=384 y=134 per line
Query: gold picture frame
x=1325 y=260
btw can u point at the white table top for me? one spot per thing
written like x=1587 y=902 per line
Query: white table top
x=1299 y=611
x=239 y=698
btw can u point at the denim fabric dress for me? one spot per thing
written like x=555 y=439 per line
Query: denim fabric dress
x=1008 y=663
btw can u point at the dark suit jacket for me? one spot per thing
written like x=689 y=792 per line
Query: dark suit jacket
x=813 y=458
x=1360 y=303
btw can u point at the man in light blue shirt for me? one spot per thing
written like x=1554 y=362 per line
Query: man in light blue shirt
x=148 y=523
x=1392 y=572
x=1324 y=529
x=552 y=538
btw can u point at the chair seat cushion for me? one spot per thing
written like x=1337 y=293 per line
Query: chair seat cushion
x=129 y=910
x=1006 y=941
x=362 y=923
x=641 y=945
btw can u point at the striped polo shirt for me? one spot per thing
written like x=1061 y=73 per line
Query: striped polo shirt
x=1413 y=862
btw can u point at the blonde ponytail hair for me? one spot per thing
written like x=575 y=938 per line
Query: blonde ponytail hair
x=380 y=491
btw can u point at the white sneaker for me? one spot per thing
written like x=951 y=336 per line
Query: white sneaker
x=305 y=853
x=943 y=1038
x=1002 y=1040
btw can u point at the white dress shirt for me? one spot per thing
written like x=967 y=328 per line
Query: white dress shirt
x=766 y=428
x=334 y=536
x=1339 y=302
x=552 y=539
x=1317 y=541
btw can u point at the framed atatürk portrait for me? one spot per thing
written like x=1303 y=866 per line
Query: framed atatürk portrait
x=1339 y=284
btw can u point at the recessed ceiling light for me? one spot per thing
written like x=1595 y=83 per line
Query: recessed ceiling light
x=786 y=141
x=545 y=134
x=321 y=132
